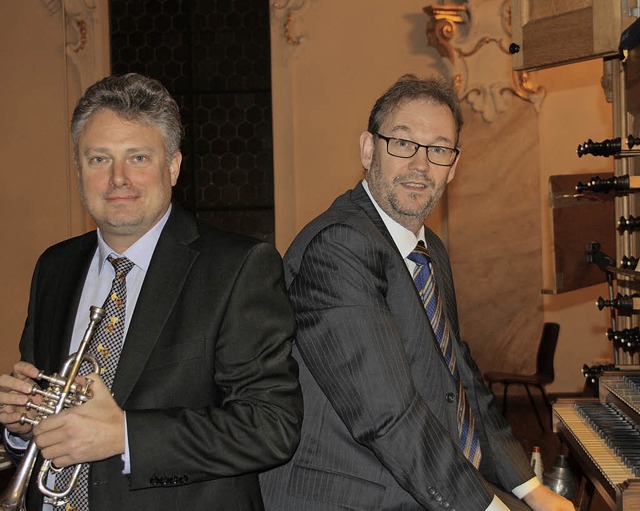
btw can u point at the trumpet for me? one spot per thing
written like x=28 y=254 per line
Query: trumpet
x=61 y=393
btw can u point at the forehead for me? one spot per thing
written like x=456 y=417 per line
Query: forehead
x=421 y=115
x=108 y=126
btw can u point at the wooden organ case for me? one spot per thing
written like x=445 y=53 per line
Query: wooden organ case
x=602 y=433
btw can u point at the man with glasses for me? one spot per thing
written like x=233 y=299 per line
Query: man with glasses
x=396 y=412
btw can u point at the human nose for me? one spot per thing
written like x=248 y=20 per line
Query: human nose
x=119 y=175
x=420 y=160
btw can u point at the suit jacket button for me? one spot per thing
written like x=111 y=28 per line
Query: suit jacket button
x=431 y=490
x=451 y=397
x=162 y=480
x=444 y=504
x=153 y=481
x=183 y=479
x=173 y=480
x=438 y=497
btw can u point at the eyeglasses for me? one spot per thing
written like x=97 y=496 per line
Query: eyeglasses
x=436 y=154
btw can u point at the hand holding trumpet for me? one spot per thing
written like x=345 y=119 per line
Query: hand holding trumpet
x=71 y=436
x=15 y=391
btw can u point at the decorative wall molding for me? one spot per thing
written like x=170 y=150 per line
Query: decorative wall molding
x=288 y=13
x=53 y=6
x=84 y=34
x=474 y=38
x=84 y=39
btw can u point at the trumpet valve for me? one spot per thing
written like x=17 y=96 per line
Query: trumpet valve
x=76 y=400
x=26 y=420
x=54 y=379
x=46 y=394
x=40 y=408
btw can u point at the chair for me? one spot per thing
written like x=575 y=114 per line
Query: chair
x=544 y=371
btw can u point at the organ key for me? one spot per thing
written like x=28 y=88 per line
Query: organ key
x=603 y=436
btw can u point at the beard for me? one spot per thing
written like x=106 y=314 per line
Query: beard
x=408 y=213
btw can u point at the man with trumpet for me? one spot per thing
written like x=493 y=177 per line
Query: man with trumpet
x=197 y=390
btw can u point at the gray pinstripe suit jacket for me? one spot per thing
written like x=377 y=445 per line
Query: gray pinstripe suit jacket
x=379 y=430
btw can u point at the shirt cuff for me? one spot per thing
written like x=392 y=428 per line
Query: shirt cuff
x=518 y=491
x=125 y=457
x=497 y=505
x=15 y=442
x=524 y=488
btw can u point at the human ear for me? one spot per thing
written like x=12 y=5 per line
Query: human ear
x=174 y=167
x=366 y=149
x=452 y=170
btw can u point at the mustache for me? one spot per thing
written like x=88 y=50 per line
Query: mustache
x=415 y=177
x=115 y=193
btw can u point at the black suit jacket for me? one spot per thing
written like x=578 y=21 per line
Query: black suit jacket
x=380 y=428
x=205 y=376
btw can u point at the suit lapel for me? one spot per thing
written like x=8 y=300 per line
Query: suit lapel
x=167 y=273
x=72 y=272
x=361 y=198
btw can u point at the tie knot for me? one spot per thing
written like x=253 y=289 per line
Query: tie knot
x=420 y=255
x=122 y=265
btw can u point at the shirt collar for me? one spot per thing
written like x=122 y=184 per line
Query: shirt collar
x=141 y=251
x=404 y=239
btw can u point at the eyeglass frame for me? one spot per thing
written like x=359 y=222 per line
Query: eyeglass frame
x=418 y=146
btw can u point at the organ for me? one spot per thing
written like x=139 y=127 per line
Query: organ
x=602 y=433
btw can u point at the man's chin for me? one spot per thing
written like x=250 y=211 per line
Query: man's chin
x=122 y=226
x=416 y=210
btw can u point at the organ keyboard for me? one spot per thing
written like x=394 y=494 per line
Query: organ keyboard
x=603 y=436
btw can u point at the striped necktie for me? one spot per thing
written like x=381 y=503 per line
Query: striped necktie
x=426 y=284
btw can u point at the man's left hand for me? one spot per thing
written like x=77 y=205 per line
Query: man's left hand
x=92 y=431
x=542 y=498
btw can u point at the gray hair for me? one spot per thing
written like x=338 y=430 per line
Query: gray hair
x=132 y=97
x=410 y=88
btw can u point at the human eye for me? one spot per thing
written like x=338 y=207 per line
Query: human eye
x=139 y=159
x=97 y=160
x=439 y=150
x=401 y=143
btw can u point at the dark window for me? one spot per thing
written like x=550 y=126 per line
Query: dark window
x=214 y=57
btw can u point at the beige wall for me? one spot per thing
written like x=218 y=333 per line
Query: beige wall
x=323 y=90
x=40 y=83
x=34 y=187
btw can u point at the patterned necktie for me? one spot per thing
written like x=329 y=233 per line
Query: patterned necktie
x=426 y=284
x=106 y=345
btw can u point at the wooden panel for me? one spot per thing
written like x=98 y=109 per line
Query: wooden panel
x=609 y=24
x=552 y=33
x=546 y=8
x=632 y=84
x=559 y=39
x=578 y=221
